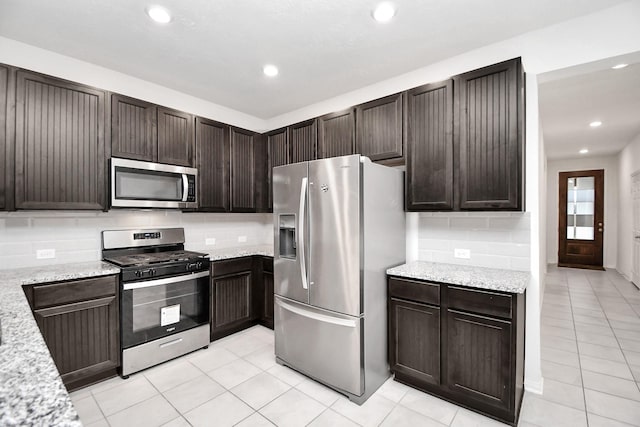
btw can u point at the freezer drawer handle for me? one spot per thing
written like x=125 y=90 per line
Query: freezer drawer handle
x=317 y=316
x=300 y=234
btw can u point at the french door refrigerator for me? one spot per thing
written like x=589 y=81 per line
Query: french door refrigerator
x=339 y=223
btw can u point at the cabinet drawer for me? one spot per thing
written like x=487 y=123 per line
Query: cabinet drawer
x=230 y=266
x=428 y=293
x=482 y=302
x=77 y=290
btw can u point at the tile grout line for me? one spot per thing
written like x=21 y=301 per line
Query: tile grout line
x=613 y=330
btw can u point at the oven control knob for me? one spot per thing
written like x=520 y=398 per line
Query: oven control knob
x=138 y=273
x=199 y=264
x=152 y=272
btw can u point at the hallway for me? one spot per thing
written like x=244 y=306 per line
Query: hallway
x=590 y=338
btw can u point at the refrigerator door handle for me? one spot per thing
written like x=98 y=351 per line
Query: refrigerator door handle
x=316 y=316
x=300 y=233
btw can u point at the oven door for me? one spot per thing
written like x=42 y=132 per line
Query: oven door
x=152 y=185
x=153 y=309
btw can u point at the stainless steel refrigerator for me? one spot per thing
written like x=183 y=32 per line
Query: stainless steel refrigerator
x=339 y=223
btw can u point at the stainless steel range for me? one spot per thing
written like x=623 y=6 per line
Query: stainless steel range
x=164 y=295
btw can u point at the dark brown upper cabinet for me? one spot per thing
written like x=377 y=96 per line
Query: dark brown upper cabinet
x=429 y=131
x=7 y=108
x=490 y=137
x=278 y=154
x=134 y=130
x=379 y=130
x=144 y=131
x=244 y=166
x=213 y=141
x=303 y=138
x=175 y=137
x=60 y=144
x=337 y=134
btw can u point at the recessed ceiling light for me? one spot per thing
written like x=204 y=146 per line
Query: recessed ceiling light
x=584 y=151
x=617 y=67
x=159 y=14
x=270 y=70
x=595 y=124
x=384 y=12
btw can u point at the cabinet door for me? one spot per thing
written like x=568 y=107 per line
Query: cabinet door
x=490 y=137
x=303 y=138
x=60 y=144
x=479 y=358
x=133 y=129
x=379 y=131
x=267 y=309
x=414 y=340
x=7 y=99
x=337 y=134
x=83 y=338
x=278 y=155
x=231 y=308
x=175 y=137
x=243 y=177
x=213 y=145
x=429 y=130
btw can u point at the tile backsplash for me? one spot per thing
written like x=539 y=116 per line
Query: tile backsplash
x=75 y=236
x=496 y=240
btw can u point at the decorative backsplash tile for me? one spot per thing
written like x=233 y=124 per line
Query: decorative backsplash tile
x=75 y=236
x=496 y=240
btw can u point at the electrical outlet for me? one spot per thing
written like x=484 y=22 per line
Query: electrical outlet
x=45 y=253
x=242 y=239
x=210 y=241
x=462 y=253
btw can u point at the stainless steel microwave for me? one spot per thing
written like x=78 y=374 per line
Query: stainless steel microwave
x=136 y=184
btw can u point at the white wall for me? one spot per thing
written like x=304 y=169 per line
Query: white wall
x=76 y=235
x=610 y=166
x=33 y=58
x=603 y=34
x=628 y=163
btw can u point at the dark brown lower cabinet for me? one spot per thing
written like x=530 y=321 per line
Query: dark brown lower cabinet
x=415 y=339
x=266 y=319
x=232 y=308
x=465 y=346
x=79 y=322
x=241 y=294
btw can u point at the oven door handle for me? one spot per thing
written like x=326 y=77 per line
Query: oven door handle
x=159 y=282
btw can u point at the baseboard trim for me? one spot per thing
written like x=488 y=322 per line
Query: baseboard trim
x=535 y=386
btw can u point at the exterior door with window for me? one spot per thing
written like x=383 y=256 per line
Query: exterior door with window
x=581 y=219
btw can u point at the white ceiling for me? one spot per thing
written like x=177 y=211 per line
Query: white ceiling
x=570 y=99
x=215 y=49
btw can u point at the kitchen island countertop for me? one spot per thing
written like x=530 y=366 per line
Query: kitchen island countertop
x=464 y=275
x=31 y=391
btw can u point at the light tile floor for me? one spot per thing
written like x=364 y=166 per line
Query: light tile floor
x=591 y=365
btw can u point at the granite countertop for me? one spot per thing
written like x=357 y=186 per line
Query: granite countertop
x=228 y=253
x=464 y=275
x=31 y=391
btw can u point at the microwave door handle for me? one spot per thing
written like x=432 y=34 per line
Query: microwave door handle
x=185 y=187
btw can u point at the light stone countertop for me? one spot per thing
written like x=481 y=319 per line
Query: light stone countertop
x=31 y=391
x=228 y=253
x=464 y=275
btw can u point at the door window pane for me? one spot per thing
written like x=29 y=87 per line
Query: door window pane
x=580 y=208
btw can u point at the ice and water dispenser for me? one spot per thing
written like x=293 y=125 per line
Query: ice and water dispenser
x=287 y=236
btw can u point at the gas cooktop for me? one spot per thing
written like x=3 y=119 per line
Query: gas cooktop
x=151 y=258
